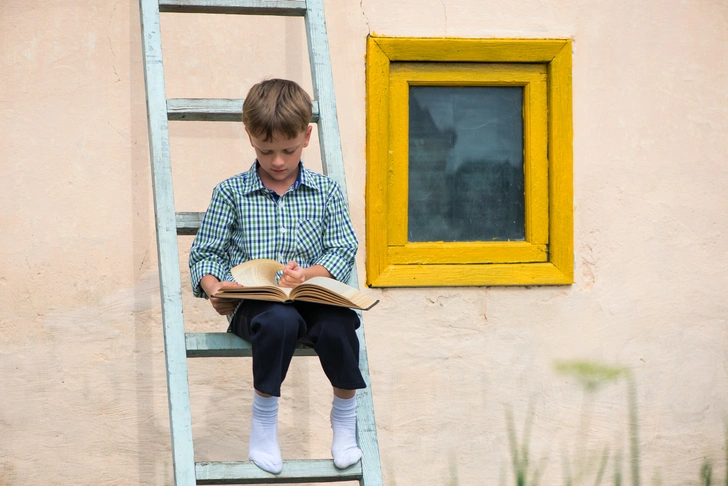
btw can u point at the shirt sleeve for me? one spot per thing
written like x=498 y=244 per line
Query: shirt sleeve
x=209 y=252
x=339 y=240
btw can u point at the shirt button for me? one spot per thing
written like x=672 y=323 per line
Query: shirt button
x=283 y=230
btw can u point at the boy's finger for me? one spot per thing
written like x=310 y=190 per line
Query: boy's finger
x=289 y=274
x=229 y=285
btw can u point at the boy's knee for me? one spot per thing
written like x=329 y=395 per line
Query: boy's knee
x=281 y=321
x=335 y=333
x=342 y=317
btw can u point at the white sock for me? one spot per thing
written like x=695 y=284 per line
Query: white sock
x=264 y=450
x=343 y=422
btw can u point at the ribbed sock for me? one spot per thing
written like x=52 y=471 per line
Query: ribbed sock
x=264 y=449
x=343 y=422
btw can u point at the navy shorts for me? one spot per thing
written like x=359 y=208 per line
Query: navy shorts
x=273 y=330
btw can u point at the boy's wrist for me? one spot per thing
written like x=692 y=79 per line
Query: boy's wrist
x=316 y=271
x=208 y=282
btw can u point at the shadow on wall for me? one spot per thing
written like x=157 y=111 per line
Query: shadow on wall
x=598 y=467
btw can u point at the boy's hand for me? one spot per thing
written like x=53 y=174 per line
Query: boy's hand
x=225 y=307
x=293 y=275
x=211 y=286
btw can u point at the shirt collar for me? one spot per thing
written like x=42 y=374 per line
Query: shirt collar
x=253 y=183
x=305 y=178
x=299 y=177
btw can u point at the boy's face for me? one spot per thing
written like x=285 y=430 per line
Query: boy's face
x=279 y=157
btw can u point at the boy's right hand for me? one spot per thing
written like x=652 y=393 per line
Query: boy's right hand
x=211 y=286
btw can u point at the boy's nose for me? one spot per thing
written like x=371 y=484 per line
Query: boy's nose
x=278 y=161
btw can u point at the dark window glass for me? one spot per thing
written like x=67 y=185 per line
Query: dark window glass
x=466 y=163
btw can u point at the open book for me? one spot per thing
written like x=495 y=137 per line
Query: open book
x=258 y=278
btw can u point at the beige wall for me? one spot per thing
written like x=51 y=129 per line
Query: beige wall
x=81 y=355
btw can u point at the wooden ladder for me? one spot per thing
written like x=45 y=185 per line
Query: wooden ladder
x=179 y=345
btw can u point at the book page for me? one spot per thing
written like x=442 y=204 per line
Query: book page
x=265 y=292
x=328 y=290
x=257 y=273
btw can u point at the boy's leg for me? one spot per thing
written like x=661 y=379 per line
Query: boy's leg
x=272 y=329
x=343 y=422
x=332 y=332
x=264 y=449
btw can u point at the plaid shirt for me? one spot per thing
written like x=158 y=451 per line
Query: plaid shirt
x=308 y=224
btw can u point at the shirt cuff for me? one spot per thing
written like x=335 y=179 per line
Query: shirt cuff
x=207 y=268
x=338 y=267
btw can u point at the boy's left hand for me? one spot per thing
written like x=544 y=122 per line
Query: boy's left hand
x=293 y=275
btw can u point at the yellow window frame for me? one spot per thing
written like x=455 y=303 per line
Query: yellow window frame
x=543 y=68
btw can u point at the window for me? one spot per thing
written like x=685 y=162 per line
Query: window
x=469 y=178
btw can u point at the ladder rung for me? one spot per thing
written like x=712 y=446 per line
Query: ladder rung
x=287 y=8
x=315 y=471
x=213 y=109
x=188 y=223
x=225 y=345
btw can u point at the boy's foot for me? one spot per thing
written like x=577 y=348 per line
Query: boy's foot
x=264 y=449
x=343 y=422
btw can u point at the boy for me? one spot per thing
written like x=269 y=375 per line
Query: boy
x=282 y=211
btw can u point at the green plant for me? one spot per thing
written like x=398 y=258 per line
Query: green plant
x=592 y=376
x=525 y=473
x=706 y=474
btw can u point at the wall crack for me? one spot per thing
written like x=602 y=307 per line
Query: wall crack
x=366 y=19
x=444 y=9
x=111 y=46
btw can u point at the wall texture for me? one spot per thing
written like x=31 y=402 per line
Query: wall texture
x=626 y=366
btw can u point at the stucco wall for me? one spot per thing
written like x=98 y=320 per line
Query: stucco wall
x=81 y=354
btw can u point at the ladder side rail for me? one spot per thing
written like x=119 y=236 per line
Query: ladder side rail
x=167 y=250
x=323 y=91
x=333 y=166
x=366 y=426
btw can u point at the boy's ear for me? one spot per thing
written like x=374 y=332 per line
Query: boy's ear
x=308 y=136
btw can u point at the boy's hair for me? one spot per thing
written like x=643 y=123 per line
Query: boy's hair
x=276 y=106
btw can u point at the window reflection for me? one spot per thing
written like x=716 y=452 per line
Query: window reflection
x=466 y=175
